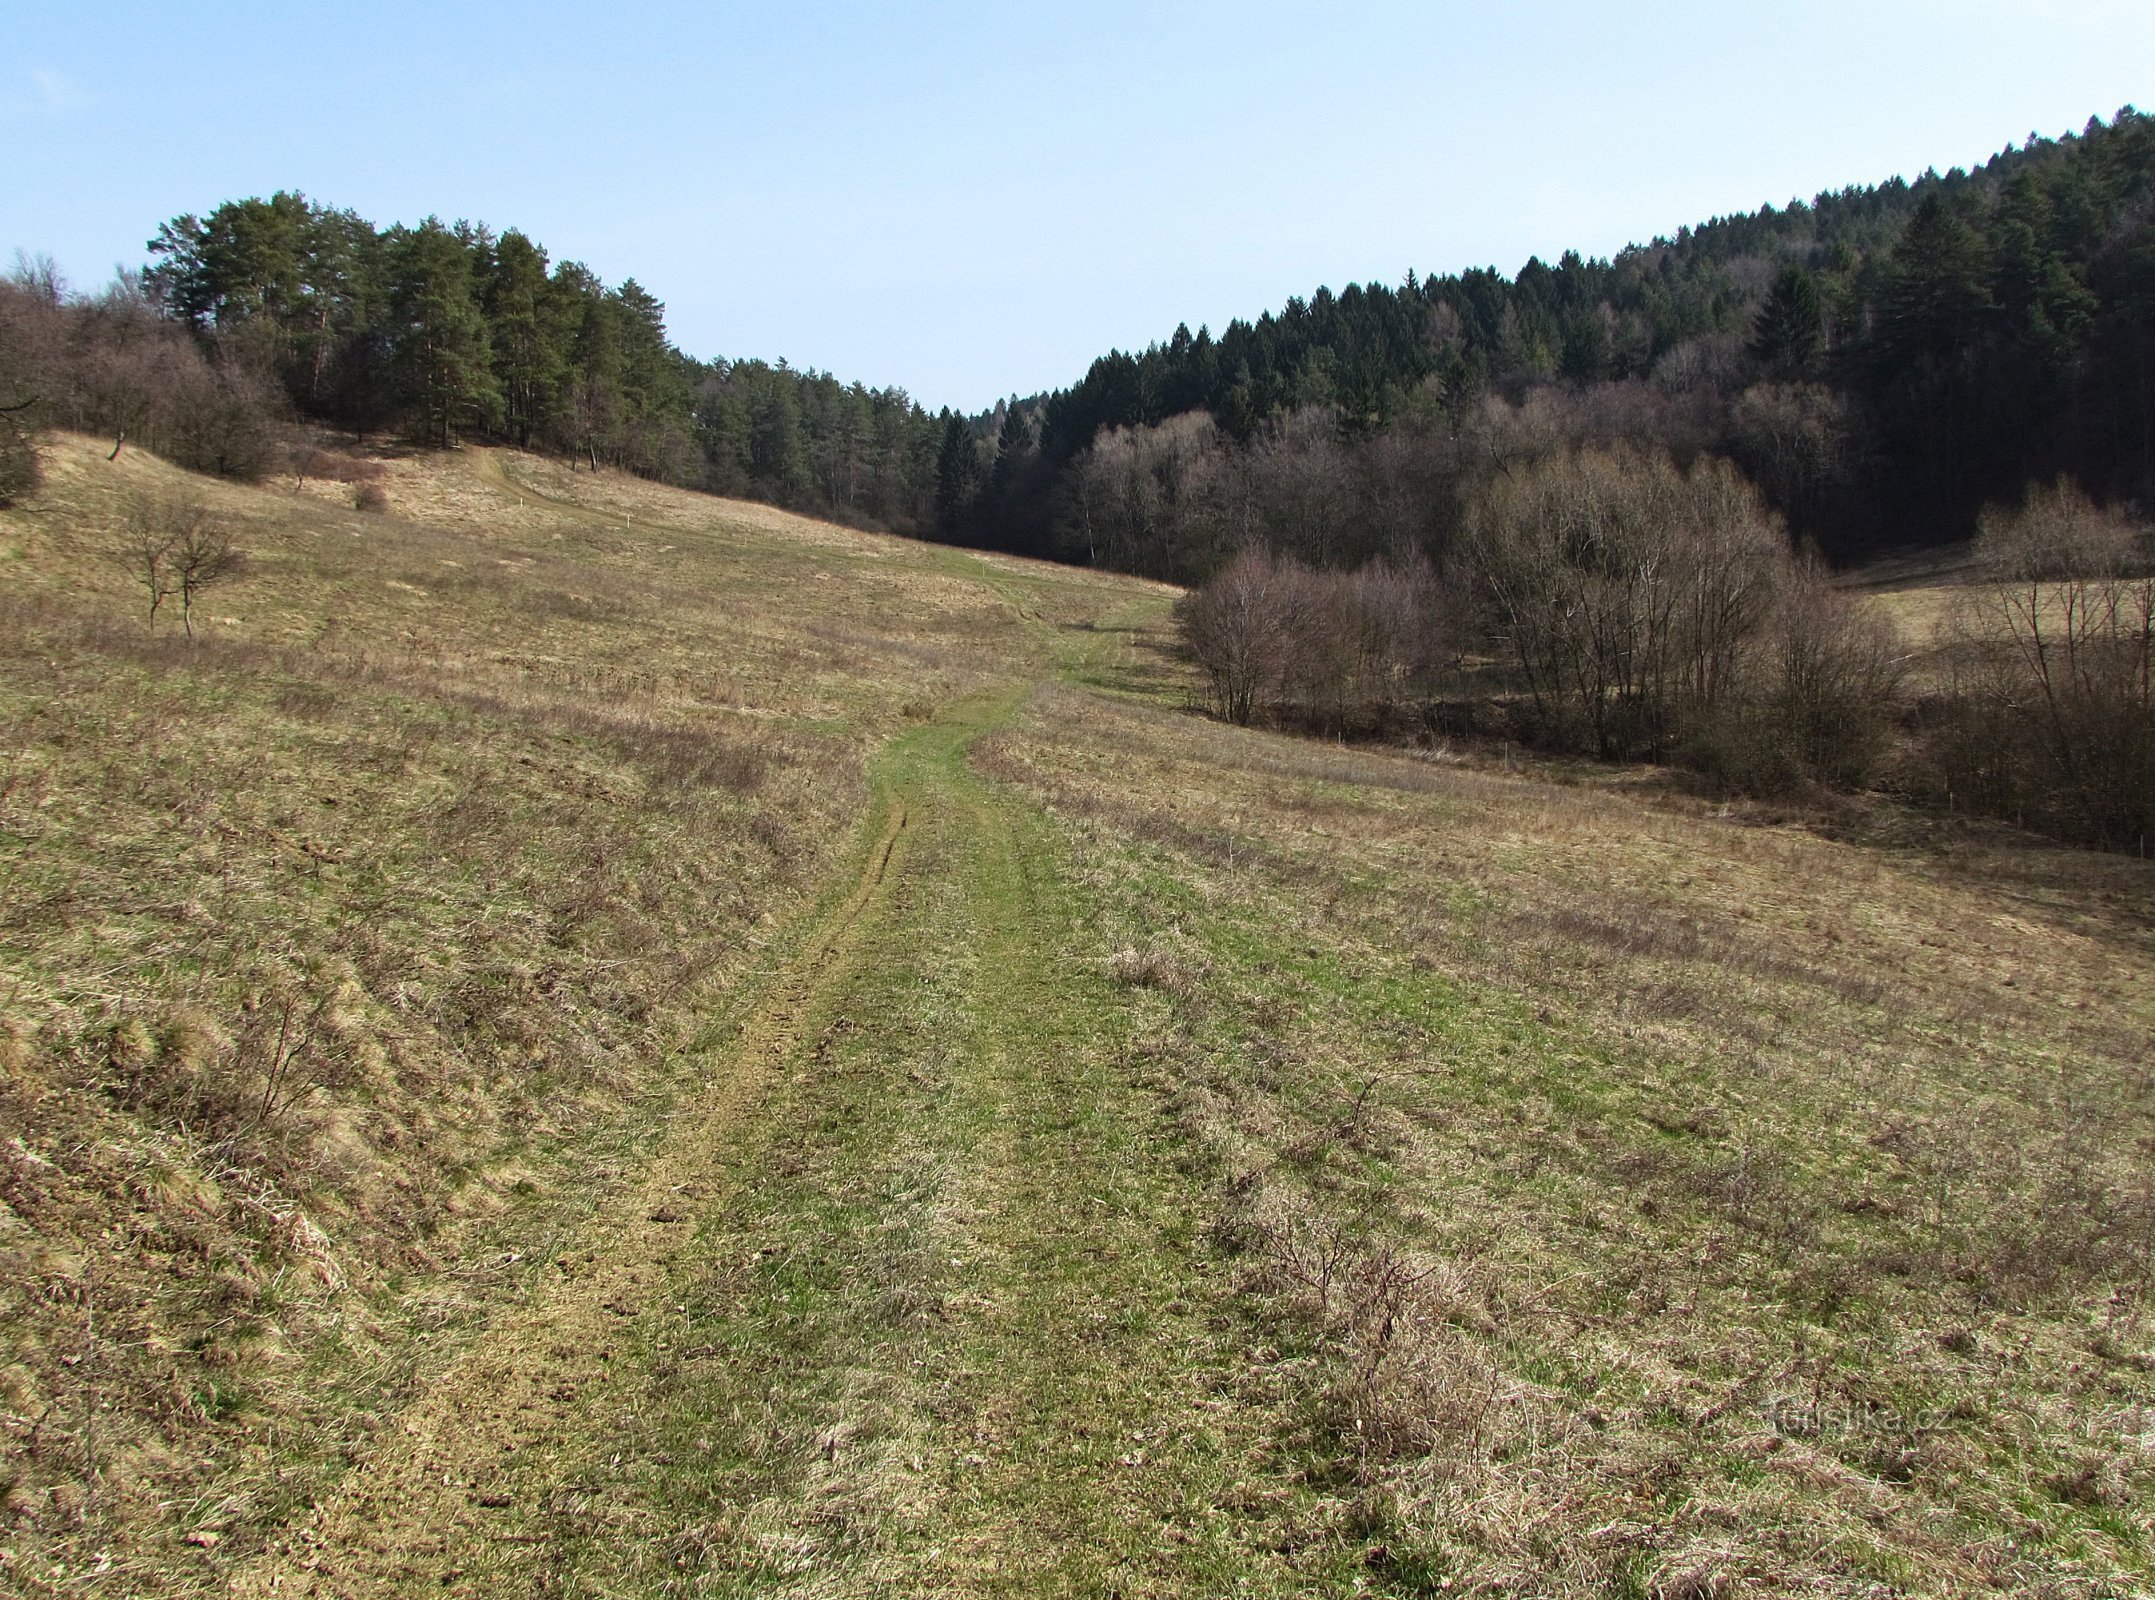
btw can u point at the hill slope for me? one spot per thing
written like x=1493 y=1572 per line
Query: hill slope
x=588 y=1040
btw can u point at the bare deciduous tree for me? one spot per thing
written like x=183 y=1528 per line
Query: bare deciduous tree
x=1272 y=634
x=19 y=467
x=2059 y=653
x=1233 y=626
x=1625 y=587
x=176 y=546
x=1835 y=667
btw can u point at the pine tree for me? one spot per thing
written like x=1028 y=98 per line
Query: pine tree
x=655 y=392
x=957 y=473
x=245 y=262
x=1789 y=337
x=592 y=407
x=337 y=345
x=529 y=359
x=441 y=351
x=776 y=456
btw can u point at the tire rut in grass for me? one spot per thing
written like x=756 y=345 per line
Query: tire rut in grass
x=942 y=1325
x=957 y=1336
x=444 y=1481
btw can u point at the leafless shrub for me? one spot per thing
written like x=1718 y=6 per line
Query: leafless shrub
x=1818 y=696
x=310 y=460
x=371 y=498
x=224 y=421
x=296 y=1035
x=1235 y=625
x=1833 y=678
x=1151 y=968
x=696 y=759
x=177 y=546
x=2051 y=715
x=145 y=553
x=289 y=1043
x=1626 y=589
x=1274 y=635
x=20 y=470
x=110 y=363
x=1398 y=1331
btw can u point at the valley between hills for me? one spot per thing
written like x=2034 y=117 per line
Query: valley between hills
x=586 y=1039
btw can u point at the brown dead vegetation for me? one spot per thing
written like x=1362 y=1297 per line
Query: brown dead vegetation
x=346 y=955
x=1650 y=1202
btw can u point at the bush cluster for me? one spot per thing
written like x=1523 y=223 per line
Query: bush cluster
x=1603 y=600
x=1333 y=649
x=110 y=364
x=2048 y=715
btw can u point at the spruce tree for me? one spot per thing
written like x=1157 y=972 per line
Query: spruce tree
x=2046 y=305
x=1013 y=445
x=1937 y=288
x=1789 y=337
x=957 y=473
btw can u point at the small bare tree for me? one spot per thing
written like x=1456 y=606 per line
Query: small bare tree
x=178 y=547
x=2061 y=646
x=146 y=554
x=1834 y=668
x=1236 y=628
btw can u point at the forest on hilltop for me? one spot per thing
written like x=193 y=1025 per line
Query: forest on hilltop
x=264 y=311
x=1882 y=362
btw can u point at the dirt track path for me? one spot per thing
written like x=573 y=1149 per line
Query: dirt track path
x=908 y=1301
x=435 y=1487
x=493 y=471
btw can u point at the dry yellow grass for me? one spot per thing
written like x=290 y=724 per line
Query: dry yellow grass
x=1665 y=1201
x=1618 y=1195
x=345 y=956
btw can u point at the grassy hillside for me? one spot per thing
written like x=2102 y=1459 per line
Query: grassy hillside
x=586 y=1040
x=497 y=800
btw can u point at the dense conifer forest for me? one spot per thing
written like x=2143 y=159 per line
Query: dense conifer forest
x=268 y=310
x=1881 y=361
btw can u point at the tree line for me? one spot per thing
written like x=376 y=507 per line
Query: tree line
x=267 y=311
x=1882 y=361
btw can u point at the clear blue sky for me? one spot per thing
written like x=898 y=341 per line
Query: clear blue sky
x=972 y=200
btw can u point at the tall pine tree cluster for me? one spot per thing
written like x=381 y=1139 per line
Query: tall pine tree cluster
x=445 y=333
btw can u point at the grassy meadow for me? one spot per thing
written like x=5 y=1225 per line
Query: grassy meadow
x=589 y=1040
x=1659 y=1201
